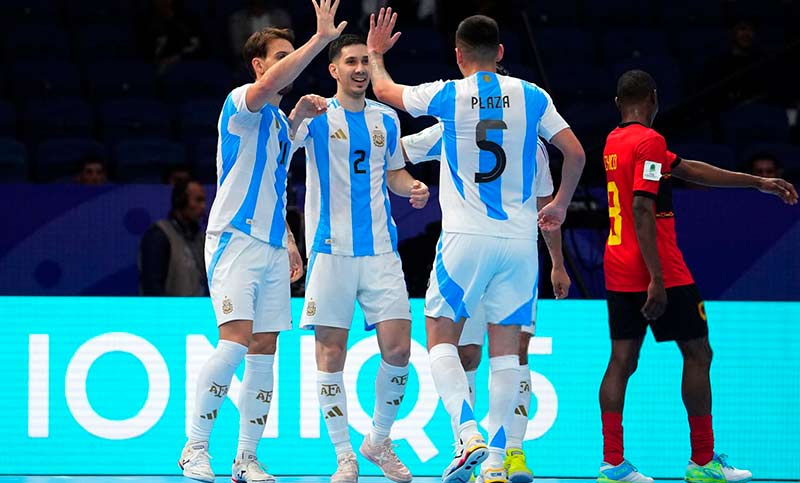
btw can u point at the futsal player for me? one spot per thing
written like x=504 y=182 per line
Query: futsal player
x=487 y=248
x=426 y=146
x=250 y=254
x=648 y=283
x=353 y=154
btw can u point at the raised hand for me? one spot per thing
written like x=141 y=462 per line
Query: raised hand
x=310 y=105
x=380 y=38
x=327 y=30
x=780 y=188
x=419 y=195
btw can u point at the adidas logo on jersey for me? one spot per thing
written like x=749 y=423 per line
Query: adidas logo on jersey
x=339 y=134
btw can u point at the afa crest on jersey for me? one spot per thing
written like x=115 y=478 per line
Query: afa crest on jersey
x=378 y=138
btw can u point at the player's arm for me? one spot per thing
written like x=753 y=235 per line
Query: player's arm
x=379 y=41
x=708 y=175
x=425 y=145
x=403 y=184
x=644 y=221
x=287 y=69
x=558 y=276
x=295 y=260
x=309 y=106
x=557 y=132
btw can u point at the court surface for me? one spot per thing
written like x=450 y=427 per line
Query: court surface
x=280 y=479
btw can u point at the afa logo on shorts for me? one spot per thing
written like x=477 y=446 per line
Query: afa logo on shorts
x=311 y=308
x=701 y=308
x=227 y=306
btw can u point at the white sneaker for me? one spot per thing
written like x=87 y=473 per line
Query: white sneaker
x=623 y=472
x=382 y=454
x=347 y=470
x=247 y=469
x=493 y=475
x=462 y=468
x=195 y=462
x=718 y=470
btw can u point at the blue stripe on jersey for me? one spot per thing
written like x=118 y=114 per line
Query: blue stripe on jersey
x=446 y=100
x=451 y=291
x=310 y=266
x=529 y=146
x=436 y=149
x=229 y=145
x=243 y=218
x=391 y=133
x=360 y=186
x=223 y=242
x=322 y=156
x=278 y=229
x=491 y=193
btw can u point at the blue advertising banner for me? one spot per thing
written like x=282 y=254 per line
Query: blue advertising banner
x=104 y=386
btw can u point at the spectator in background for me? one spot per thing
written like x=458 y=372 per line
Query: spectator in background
x=176 y=174
x=92 y=172
x=171 y=259
x=171 y=34
x=735 y=68
x=256 y=16
x=765 y=165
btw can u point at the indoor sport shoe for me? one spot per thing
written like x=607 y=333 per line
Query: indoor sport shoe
x=195 y=462
x=493 y=475
x=347 y=470
x=516 y=468
x=247 y=469
x=623 y=472
x=718 y=470
x=463 y=465
x=382 y=454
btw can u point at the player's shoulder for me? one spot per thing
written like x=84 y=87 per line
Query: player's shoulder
x=237 y=94
x=380 y=107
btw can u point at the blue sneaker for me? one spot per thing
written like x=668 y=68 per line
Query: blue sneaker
x=623 y=472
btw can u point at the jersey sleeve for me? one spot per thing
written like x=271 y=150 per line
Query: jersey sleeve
x=673 y=159
x=239 y=98
x=551 y=123
x=650 y=157
x=394 y=152
x=425 y=145
x=302 y=136
x=543 y=184
x=422 y=99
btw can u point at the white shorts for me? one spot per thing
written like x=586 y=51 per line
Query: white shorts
x=248 y=280
x=470 y=269
x=335 y=282
x=474 y=332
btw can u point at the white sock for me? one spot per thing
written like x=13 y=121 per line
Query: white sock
x=255 y=398
x=333 y=403
x=213 y=383
x=519 y=421
x=451 y=384
x=502 y=397
x=471 y=383
x=390 y=386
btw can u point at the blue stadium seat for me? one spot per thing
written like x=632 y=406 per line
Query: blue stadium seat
x=696 y=45
x=8 y=119
x=29 y=11
x=575 y=81
x=559 y=12
x=717 y=154
x=57 y=117
x=106 y=42
x=419 y=44
x=516 y=48
x=113 y=79
x=680 y=13
x=59 y=159
x=754 y=123
x=101 y=11
x=199 y=118
x=619 y=12
x=30 y=80
x=524 y=72
x=146 y=160
x=204 y=159
x=197 y=78
x=787 y=154
x=592 y=121
x=426 y=71
x=563 y=44
x=13 y=161
x=36 y=41
x=135 y=118
x=664 y=70
x=620 y=44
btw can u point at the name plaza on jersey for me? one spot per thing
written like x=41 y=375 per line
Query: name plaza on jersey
x=491 y=102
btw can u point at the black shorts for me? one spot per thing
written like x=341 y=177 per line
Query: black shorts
x=684 y=319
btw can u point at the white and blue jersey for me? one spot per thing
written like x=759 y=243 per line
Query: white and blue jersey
x=252 y=153
x=490 y=125
x=347 y=208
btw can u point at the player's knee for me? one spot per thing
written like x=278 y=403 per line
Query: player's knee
x=470 y=356
x=398 y=354
x=697 y=352
x=331 y=354
x=524 y=343
x=266 y=343
x=626 y=361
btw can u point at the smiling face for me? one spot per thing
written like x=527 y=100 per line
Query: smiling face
x=351 y=70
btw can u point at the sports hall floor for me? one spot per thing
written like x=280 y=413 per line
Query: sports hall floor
x=284 y=479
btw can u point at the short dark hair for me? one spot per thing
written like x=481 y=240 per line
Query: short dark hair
x=258 y=44
x=759 y=155
x=335 y=49
x=180 y=193
x=635 y=86
x=478 y=37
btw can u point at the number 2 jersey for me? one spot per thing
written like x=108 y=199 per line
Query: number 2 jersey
x=490 y=126
x=637 y=163
x=347 y=203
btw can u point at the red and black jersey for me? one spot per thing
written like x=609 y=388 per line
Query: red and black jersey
x=637 y=163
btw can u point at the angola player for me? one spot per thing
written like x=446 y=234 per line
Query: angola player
x=647 y=280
